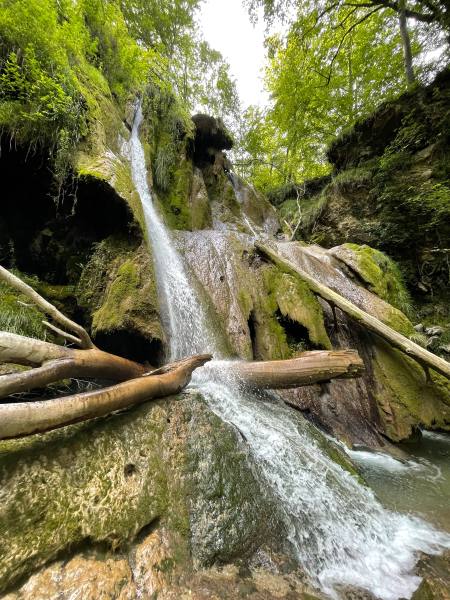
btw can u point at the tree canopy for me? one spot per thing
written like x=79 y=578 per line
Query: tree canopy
x=333 y=64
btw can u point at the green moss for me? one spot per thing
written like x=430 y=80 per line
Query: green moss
x=175 y=201
x=118 y=297
x=71 y=485
x=405 y=400
x=382 y=275
x=296 y=301
x=118 y=288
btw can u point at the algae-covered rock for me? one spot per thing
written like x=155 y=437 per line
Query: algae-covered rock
x=95 y=487
x=435 y=573
x=118 y=289
x=404 y=397
x=227 y=503
x=377 y=271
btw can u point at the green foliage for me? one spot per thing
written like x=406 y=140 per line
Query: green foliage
x=53 y=58
x=59 y=58
x=336 y=62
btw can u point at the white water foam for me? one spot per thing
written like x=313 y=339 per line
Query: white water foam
x=339 y=531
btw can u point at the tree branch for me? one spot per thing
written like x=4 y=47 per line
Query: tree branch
x=46 y=307
x=23 y=418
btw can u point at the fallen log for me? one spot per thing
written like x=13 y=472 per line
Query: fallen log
x=27 y=418
x=53 y=363
x=425 y=358
x=317 y=366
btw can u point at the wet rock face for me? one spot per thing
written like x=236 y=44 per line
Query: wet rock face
x=435 y=571
x=147 y=571
x=130 y=498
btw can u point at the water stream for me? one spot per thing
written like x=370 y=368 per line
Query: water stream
x=338 y=530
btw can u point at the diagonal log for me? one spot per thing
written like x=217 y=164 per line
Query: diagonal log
x=48 y=308
x=23 y=418
x=317 y=366
x=397 y=340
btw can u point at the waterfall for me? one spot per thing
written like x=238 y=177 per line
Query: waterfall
x=338 y=530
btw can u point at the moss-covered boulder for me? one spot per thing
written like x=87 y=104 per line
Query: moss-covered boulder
x=118 y=290
x=139 y=498
x=404 y=397
x=378 y=272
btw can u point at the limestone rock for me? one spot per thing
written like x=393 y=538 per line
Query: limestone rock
x=153 y=490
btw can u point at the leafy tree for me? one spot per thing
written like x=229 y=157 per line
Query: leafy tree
x=57 y=57
x=336 y=63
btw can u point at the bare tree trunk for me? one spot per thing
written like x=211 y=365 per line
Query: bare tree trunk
x=310 y=367
x=406 y=42
x=26 y=418
x=397 y=340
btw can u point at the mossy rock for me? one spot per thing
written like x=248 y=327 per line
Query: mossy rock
x=184 y=202
x=378 y=272
x=296 y=301
x=97 y=485
x=118 y=290
x=405 y=399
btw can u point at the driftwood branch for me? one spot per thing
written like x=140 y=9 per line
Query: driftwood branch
x=317 y=366
x=397 y=340
x=26 y=418
x=48 y=308
x=55 y=362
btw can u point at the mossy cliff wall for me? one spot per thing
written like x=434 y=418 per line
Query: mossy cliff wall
x=84 y=250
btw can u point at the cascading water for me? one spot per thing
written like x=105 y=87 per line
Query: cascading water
x=339 y=531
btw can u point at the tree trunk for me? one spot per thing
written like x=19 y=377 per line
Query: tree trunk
x=397 y=340
x=26 y=418
x=406 y=42
x=308 y=368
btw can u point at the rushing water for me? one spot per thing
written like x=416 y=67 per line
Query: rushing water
x=339 y=531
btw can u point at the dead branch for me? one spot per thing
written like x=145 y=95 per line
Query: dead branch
x=47 y=307
x=25 y=418
x=54 y=363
